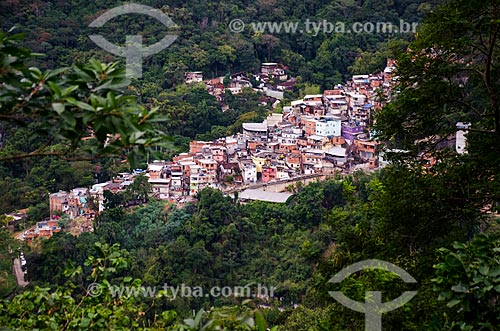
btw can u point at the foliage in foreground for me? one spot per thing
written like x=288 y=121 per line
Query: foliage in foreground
x=62 y=108
x=98 y=308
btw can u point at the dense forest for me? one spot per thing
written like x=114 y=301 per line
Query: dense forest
x=60 y=30
x=438 y=222
x=295 y=247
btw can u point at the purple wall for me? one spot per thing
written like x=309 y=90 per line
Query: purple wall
x=350 y=131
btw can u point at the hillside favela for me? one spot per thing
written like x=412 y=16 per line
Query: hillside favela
x=263 y=166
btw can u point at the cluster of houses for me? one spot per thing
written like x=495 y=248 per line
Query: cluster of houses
x=84 y=202
x=45 y=229
x=319 y=134
x=272 y=81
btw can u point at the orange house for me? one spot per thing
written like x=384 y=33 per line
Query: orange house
x=294 y=158
x=57 y=200
x=366 y=148
x=196 y=146
x=309 y=126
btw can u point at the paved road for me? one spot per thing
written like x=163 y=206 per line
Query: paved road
x=19 y=274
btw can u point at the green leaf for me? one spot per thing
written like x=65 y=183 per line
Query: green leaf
x=494 y=272
x=87 y=118
x=82 y=74
x=453 y=303
x=58 y=107
x=458 y=245
x=169 y=315
x=198 y=317
x=51 y=73
x=484 y=270
x=36 y=73
x=85 y=322
x=260 y=321
x=66 y=91
x=460 y=288
x=98 y=123
x=69 y=118
x=56 y=89
x=80 y=104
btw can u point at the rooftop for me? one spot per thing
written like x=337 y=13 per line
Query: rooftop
x=155 y=167
x=267 y=196
x=261 y=127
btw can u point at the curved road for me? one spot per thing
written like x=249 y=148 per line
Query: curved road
x=19 y=273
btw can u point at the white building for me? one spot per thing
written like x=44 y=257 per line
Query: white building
x=356 y=99
x=313 y=100
x=289 y=138
x=273 y=69
x=249 y=172
x=461 y=137
x=198 y=181
x=193 y=77
x=177 y=182
x=282 y=174
x=329 y=127
x=160 y=187
x=255 y=131
x=274 y=119
x=97 y=191
x=231 y=145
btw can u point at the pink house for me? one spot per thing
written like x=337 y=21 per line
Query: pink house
x=219 y=154
x=269 y=173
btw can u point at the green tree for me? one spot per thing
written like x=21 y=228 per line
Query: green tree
x=139 y=189
x=448 y=75
x=468 y=281
x=61 y=107
x=7 y=243
x=96 y=309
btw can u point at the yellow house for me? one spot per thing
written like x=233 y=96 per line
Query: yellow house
x=259 y=162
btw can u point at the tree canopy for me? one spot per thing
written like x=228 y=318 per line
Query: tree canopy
x=76 y=113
